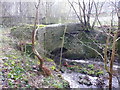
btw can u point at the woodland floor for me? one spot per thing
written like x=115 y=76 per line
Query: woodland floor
x=17 y=70
x=1 y=55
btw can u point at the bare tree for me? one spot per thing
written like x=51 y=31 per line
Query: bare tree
x=119 y=15
x=42 y=67
x=98 y=9
x=84 y=18
x=84 y=12
x=48 y=10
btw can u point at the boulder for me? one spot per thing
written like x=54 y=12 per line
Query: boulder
x=77 y=42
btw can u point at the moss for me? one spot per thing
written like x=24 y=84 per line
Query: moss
x=49 y=59
x=41 y=25
x=22 y=32
x=53 y=67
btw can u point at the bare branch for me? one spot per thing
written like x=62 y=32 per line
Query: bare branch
x=75 y=11
x=80 y=13
x=84 y=13
x=89 y=10
x=112 y=59
x=34 y=36
x=117 y=39
x=97 y=13
x=63 y=40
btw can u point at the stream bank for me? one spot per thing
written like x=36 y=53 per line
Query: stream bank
x=78 y=79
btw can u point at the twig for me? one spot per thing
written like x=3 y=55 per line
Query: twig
x=63 y=39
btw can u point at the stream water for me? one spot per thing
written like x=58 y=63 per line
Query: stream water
x=73 y=77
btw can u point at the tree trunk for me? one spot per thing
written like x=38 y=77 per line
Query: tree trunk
x=118 y=23
x=42 y=67
x=119 y=15
x=112 y=60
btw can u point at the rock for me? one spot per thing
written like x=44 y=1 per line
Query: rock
x=80 y=77
x=88 y=83
x=22 y=32
x=100 y=83
x=81 y=81
x=85 y=80
x=50 y=39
